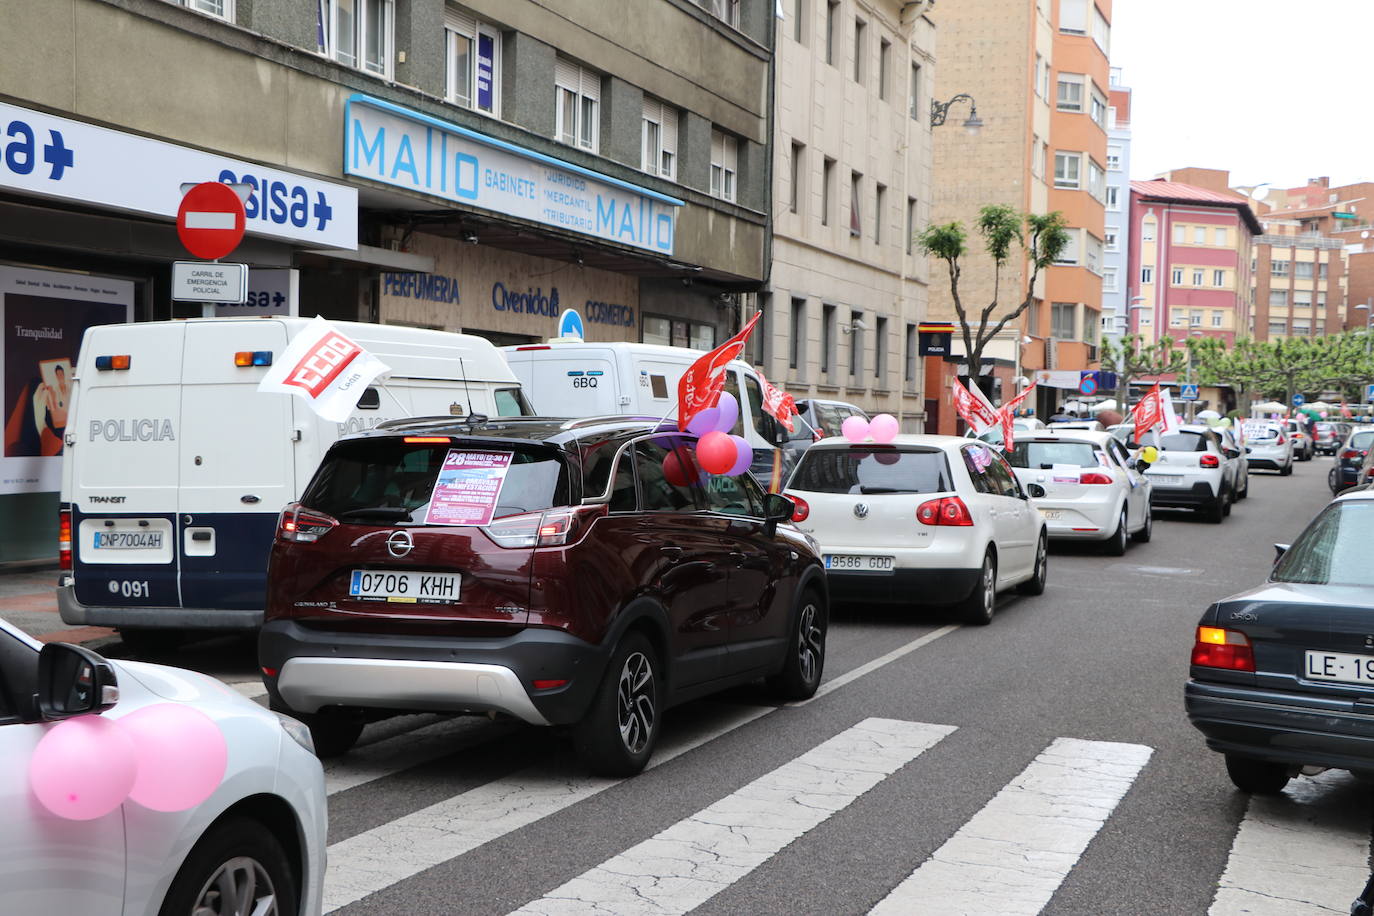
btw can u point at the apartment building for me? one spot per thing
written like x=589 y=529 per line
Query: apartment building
x=1345 y=214
x=1116 y=233
x=1038 y=72
x=1299 y=281
x=1190 y=261
x=851 y=165
x=475 y=166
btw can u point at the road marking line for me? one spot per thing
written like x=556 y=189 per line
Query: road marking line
x=1012 y=855
x=418 y=746
x=849 y=676
x=378 y=858
x=700 y=856
x=1303 y=852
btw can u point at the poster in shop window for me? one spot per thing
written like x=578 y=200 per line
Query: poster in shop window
x=43 y=315
x=468 y=488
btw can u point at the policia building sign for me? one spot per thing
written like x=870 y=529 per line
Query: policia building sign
x=935 y=337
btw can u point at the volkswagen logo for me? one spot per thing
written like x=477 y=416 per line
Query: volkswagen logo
x=861 y=510
x=399 y=543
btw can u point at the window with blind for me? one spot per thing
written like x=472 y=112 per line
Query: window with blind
x=1070 y=92
x=724 y=165
x=660 y=139
x=578 y=104
x=357 y=33
x=473 y=52
x=1073 y=16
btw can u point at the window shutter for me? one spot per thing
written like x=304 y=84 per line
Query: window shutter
x=461 y=23
x=653 y=111
x=567 y=74
x=591 y=84
x=670 y=117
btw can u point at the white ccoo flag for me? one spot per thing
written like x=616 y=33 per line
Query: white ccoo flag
x=326 y=368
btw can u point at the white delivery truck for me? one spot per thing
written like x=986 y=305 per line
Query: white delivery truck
x=575 y=378
x=176 y=467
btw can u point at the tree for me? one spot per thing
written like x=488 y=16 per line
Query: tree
x=1281 y=368
x=1132 y=358
x=1043 y=240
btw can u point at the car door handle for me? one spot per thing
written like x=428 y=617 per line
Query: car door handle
x=673 y=553
x=738 y=558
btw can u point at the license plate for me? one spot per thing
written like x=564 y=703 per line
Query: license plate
x=850 y=563
x=1167 y=480
x=1052 y=515
x=127 y=540
x=1337 y=666
x=404 y=587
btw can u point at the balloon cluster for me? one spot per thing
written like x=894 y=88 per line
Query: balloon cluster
x=718 y=452
x=167 y=757
x=881 y=429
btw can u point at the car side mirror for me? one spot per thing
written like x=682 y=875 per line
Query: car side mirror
x=73 y=681
x=1249 y=449
x=776 y=508
x=1232 y=453
x=1280 y=550
x=1035 y=490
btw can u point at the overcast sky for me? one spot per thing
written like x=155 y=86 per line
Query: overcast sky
x=1274 y=91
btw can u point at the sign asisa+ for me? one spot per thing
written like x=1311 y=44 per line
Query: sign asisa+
x=396 y=146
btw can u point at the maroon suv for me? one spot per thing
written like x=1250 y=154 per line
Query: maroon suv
x=583 y=573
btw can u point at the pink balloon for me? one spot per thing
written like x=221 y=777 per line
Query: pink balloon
x=729 y=412
x=182 y=756
x=746 y=456
x=83 y=768
x=704 y=422
x=716 y=452
x=855 y=429
x=883 y=428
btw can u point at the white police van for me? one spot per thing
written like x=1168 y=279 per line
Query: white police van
x=176 y=466
x=577 y=378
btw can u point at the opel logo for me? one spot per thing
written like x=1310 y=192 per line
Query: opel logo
x=399 y=543
x=861 y=510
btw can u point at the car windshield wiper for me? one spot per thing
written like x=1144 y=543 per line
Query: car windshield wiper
x=394 y=513
x=867 y=490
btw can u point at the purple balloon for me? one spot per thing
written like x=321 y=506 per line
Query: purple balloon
x=704 y=422
x=746 y=456
x=728 y=409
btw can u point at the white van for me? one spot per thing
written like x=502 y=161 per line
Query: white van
x=575 y=378
x=175 y=466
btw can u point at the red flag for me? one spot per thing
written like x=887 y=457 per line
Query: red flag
x=974 y=411
x=704 y=380
x=779 y=403
x=1008 y=414
x=1149 y=413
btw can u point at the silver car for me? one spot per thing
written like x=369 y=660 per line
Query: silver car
x=1269 y=446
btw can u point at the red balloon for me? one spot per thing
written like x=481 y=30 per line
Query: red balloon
x=716 y=452
x=679 y=468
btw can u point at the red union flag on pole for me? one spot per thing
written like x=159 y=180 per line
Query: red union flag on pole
x=973 y=409
x=326 y=368
x=780 y=404
x=1149 y=412
x=704 y=380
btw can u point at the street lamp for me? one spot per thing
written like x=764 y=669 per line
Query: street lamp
x=940 y=110
x=1368 y=320
x=1137 y=304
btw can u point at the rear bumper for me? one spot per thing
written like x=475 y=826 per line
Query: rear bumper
x=1196 y=496
x=1281 y=727
x=1273 y=464
x=904 y=586
x=318 y=668
x=159 y=618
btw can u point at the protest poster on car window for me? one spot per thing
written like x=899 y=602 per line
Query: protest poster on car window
x=468 y=488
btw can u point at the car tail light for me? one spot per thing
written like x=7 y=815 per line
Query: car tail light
x=1281 y=439
x=64 y=539
x=1096 y=477
x=947 y=510
x=801 y=509
x=1209 y=461
x=551 y=528
x=1218 y=648
x=1351 y=454
x=302 y=525
x=549 y=683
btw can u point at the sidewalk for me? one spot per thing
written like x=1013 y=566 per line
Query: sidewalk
x=28 y=600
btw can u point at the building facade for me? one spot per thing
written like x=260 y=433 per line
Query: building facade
x=851 y=167
x=1116 y=233
x=477 y=166
x=1190 y=262
x=1039 y=74
x=1299 y=282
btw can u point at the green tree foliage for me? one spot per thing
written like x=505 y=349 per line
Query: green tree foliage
x=1284 y=367
x=1004 y=230
x=1132 y=358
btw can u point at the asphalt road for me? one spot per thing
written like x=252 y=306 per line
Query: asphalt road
x=932 y=763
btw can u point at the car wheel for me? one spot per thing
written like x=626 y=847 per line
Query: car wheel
x=1227 y=502
x=1217 y=509
x=805 y=661
x=618 y=733
x=1035 y=585
x=238 y=867
x=1116 y=546
x=1258 y=777
x=979 y=606
x=151 y=642
x=1243 y=493
x=1287 y=470
x=1146 y=530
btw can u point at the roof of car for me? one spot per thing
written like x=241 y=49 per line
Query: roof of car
x=917 y=439
x=550 y=430
x=1097 y=437
x=1361 y=493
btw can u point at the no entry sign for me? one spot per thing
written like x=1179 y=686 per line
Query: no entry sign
x=210 y=220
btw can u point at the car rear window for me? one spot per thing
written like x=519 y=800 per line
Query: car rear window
x=1362 y=440
x=1183 y=442
x=1335 y=548
x=1045 y=455
x=1260 y=432
x=872 y=470
x=390 y=481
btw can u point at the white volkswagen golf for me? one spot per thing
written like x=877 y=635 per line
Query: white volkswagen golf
x=1086 y=485
x=253 y=844
x=924 y=520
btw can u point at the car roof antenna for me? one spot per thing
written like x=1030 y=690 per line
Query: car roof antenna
x=472 y=419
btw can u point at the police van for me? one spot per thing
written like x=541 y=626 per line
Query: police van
x=577 y=378
x=176 y=466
